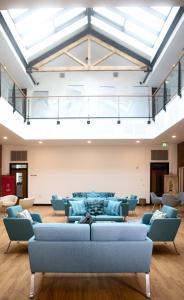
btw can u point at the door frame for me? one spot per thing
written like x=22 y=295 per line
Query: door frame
x=158 y=162
x=20 y=163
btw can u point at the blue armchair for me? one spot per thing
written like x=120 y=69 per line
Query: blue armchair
x=132 y=203
x=19 y=229
x=164 y=230
x=57 y=203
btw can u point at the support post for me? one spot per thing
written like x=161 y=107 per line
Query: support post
x=8 y=247
x=165 y=96
x=179 y=79
x=31 y=293
x=148 y=293
x=175 y=248
x=13 y=98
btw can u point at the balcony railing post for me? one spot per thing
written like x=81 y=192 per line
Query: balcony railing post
x=13 y=98
x=165 y=96
x=179 y=79
x=24 y=106
x=153 y=108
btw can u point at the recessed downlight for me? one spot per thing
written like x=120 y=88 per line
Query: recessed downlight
x=89 y=142
x=138 y=142
x=164 y=145
x=40 y=142
x=173 y=136
x=5 y=138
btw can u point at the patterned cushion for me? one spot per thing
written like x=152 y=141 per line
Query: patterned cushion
x=95 y=208
x=113 y=208
x=79 y=194
x=78 y=208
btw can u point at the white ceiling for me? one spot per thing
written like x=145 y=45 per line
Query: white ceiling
x=13 y=139
x=8 y=4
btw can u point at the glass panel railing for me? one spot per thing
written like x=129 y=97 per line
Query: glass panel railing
x=159 y=99
x=172 y=84
x=182 y=74
x=11 y=92
x=89 y=107
x=6 y=86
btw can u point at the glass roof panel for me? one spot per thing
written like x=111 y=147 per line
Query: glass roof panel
x=141 y=29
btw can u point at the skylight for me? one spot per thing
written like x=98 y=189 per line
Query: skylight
x=141 y=29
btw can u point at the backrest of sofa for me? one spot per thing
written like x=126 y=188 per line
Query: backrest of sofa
x=118 y=232
x=171 y=212
x=13 y=210
x=62 y=232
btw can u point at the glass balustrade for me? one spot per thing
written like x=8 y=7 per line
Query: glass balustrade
x=116 y=106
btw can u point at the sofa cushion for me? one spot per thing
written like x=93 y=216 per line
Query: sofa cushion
x=93 y=195
x=118 y=232
x=78 y=208
x=62 y=232
x=113 y=208
x=157 y=215
x=25 y=214
x=171 y=212
x=95 y=207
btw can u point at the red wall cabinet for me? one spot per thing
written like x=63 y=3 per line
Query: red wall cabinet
x=7 y=185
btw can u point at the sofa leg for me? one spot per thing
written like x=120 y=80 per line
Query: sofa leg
x=148 y=293
x=8 y=247
x=31 y=293
x=175 y=248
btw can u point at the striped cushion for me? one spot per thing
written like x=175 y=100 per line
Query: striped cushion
x=78 y=208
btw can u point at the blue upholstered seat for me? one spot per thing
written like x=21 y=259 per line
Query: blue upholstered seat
x=165 y=229
x=19 y=229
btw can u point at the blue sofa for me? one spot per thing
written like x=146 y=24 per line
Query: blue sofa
x=163 y=230
x=19 y=229
x=79 y=248
x=119 y=217
x=93 y=194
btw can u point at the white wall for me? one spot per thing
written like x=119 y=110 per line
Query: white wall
x=63 y=170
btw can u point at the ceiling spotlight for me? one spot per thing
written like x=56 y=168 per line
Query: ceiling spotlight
x=89 y=142
x=149 y=122
x=88 y=122
x=58 y=122
x=164 y=145
x=118 y=121
x=173 y=136
x=28 y=122
x=5 y=138
x=40 y=142
x=138 y=142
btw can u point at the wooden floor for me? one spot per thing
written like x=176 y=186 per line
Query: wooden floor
x=167 y=273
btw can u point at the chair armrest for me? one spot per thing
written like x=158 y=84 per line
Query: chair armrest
x=70 y=211
x=67 y=208
x=146 y=218
x=36 y=217
x=164 y=229
x=124 y=208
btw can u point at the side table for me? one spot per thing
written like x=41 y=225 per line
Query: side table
x=142 y=201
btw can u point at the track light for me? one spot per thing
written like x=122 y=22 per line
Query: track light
x=28 y=122
x=149 y=122
x=88 y=122
x=58 y=122
x=118 y=122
